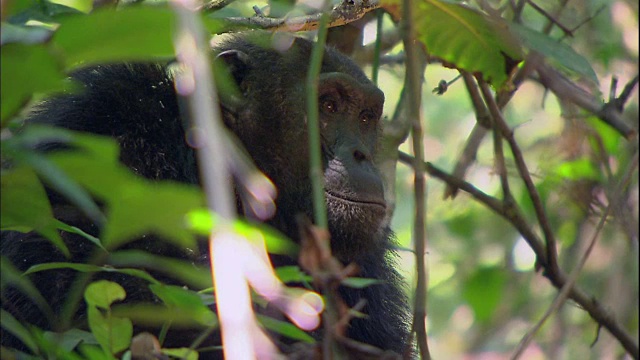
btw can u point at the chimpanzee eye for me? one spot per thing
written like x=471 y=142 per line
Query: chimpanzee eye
x=328 y=105
x=367 y=117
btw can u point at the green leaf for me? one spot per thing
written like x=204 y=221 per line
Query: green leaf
x=157 y=315
x=70 y=339
x=483 y=291
x=609 y=137
x=103 y=293
x=43 y=12
x=24 y=206
x=198 y=277
x=25 y=70
x=359 y=283
x=90 y=268
x=203 y=222
x=20 y=149
x=467 y=39
x=135 y=206
x=181 y=353
x=577 y=170
x=113 y=333
x=94 y=352
x=146 y=206
x=186 y=302
x=75 y=230
x=132 y=34
x=14 y=327
x=285 y=328
x=288 y=274
x=555 y=50
x=13 y=277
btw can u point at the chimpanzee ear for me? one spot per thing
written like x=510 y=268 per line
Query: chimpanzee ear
x=237 y=64
x=230 y=69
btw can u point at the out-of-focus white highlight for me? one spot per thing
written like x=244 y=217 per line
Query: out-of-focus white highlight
x=524 y=258
x=237 y=264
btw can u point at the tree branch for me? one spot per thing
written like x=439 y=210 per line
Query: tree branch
x=557 y=278
x=341 y=14
x=566 y=90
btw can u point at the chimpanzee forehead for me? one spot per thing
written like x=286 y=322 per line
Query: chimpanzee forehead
x=260 y=44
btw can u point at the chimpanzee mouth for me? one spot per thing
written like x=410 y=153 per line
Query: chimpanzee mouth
x=351 y=200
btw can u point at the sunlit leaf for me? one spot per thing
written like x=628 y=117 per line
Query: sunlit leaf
x=203 y=222
x=577 y=169
x=181 y=353
x=466 y=38
x=112 y=332
x=185 y=301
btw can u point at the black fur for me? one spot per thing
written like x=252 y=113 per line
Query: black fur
x=136 y=104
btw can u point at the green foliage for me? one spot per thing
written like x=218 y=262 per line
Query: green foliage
x=24 y=206
x=359 y=283
x=15 y=328
x=466 y=38
x=26 y=70
x=284 y=328
x=135 y=33
x=43 y=41
x=181 y=307
x=204 y=222
x=483 y=291
x=558 y=51
x=90 y=268
x=112 y=333
x=185 y=271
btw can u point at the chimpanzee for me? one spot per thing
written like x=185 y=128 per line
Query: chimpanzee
x=137 y=105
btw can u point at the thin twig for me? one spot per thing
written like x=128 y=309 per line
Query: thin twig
x=566 y=90
x=564 y=292
x=414 y=81
x=483 y=121
x=500 y=165
x=515 y=217
x=496 y=114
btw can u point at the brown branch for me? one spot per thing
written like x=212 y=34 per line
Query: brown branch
x=496 y=114
x=564 y=292
x=498 y=152
x=551 y=18
x=414 y=80
x=620 y=101
x=214 y=5
x=483 y=120
x=566 y=90
x=557 y=278
x=341 y=14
